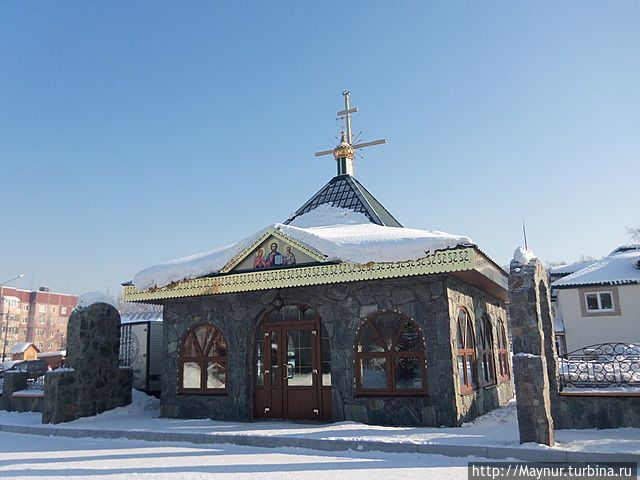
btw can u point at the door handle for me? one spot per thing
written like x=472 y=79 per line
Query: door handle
x=288 y=376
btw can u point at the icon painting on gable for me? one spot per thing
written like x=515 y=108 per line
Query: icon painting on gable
x=274 y=258
x=275 y=252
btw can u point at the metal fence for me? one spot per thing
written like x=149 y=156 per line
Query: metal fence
x=1 y=385
x=602 y=366
x=35 y=383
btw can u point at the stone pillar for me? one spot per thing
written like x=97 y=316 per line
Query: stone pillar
x=93 y=380
x=528 y=312
x=13 y=382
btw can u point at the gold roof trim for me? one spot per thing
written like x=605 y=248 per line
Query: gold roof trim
x=271 y=231
x=455 y=260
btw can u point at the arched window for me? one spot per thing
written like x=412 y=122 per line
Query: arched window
x=390 y=356
x=202 y=363
x=488 y=353
x=503 y=353
x=466 y=353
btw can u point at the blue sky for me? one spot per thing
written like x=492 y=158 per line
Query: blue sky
x=136 y=132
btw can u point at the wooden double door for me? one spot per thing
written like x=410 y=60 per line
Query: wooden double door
x=288 y=376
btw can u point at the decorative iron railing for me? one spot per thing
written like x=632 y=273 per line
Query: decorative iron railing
x=601 y=366
x=35 y=383
x=1 y=385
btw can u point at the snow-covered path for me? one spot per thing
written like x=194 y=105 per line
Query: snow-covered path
x=36 y=457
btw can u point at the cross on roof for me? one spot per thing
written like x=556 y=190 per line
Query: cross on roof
x=345 y=150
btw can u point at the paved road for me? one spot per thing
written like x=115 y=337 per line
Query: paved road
x=38 y=457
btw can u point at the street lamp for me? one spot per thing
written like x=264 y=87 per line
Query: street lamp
x=6 y=323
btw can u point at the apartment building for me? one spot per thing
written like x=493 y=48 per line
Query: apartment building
x=39 y=317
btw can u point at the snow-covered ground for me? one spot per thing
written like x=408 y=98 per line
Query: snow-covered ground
x=497 y=428
x=35 y=457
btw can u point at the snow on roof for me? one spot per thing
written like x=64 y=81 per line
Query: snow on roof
x=616 y=269
x=90 y=298
x=626 y=248
x=523 y=256
x=569 y=267
x=21 y=347
x=52 y=354
x=340 y=234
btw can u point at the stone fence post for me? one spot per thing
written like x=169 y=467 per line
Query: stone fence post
x=528 y=309
x=13 y=382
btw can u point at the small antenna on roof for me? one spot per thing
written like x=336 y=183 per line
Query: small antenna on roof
x=524 y=233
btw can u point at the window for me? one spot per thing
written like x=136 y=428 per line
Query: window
x=25 y=320
x=53 y=309
x=390 y=356
x=203 y=361
x=25 y=307
x=599 y=301
x=41 y=320
x=503 y=354
x=63 y=310
x=42 y=309
x=466 y=353
x=488 y=353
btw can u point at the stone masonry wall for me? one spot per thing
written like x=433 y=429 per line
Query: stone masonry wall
x=342 y=309
x=488 y=395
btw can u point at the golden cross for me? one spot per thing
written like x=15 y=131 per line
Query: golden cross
x=345 y=162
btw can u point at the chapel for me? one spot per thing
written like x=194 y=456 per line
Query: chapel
x=337 y=313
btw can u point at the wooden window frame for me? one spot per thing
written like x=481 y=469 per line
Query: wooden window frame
x=390 y=355
x=202 y=359
x=488 y=352
x=468 y=354
x=503 y=354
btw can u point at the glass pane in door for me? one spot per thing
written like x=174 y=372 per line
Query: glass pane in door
x=299 y=367
x=274 y=340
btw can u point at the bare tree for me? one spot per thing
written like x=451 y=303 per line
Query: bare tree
x=129 y=308
x=634 y=233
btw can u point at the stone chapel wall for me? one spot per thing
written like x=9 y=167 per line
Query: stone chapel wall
x=342 y=309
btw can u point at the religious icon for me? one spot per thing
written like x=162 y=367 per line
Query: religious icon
x=289 y=257
x=259 y=260
x=275 y=258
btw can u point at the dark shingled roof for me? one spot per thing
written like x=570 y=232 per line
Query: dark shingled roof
x=346 y=192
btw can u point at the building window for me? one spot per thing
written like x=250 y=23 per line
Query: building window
x=42 y=309
x=25 y=307
x=503 y=353
x=25 y=320
x=599 y=301
x=202 y=361
x=63 y=310
x=390 y=356
x=488 y=352
x=466 y=353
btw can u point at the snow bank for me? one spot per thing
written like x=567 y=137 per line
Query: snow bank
x=90 y=298
x=340 y=234
x=523 y=256
x=142 y=405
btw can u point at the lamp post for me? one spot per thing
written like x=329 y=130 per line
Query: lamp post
x=6 y=323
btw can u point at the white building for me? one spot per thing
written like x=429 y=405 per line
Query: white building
x=601 y=302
